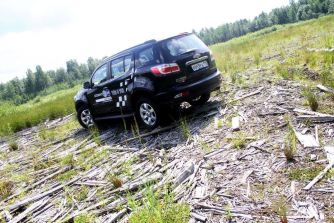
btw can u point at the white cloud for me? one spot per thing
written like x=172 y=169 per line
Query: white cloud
x=50 y=32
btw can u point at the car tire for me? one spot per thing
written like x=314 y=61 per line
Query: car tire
x=201 y=100
x=148 y=113
x=84 y=117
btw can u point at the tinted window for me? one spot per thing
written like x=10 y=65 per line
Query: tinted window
x=121 y=66
x=127 y=63
x=182 y=44
x=145 y=57
x=101 y=75
x=117 y=68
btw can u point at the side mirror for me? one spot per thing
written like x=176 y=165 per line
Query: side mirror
x=86 y=85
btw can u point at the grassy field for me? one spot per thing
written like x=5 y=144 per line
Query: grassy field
x=15 y=118
x=288 y=44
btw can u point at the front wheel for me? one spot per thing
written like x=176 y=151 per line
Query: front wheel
x=84 y=117
x=148 y=113
x=201 y=100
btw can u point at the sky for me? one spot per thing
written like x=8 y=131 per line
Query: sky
x=50 y=32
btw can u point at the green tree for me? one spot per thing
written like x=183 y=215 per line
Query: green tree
x=41 y=79
x=331 y=6
x=92 y=64
x=73 y=71
x=61 y=76
x=29 y=83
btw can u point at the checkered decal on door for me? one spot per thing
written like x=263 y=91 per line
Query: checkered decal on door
x=121 y=101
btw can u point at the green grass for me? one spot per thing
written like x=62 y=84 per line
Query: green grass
x=308 y=173
x=155 y=210
x=15 y=118
x=5 y=189
x=84 y=218
x=58 y=132
x=286 y=45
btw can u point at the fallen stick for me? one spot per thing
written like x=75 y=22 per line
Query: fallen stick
x=41 y=181
x=319 y=177
x=312 y=113
x=247 y=95
x=190 y=168
x=29 y=210
x=325 y=89
x=116 y=216
x=39 y=196
x=214 y=153
x=316 y=119
x=156 y=131
x=198 y=217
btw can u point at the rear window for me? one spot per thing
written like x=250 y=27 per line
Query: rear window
x=181 y=44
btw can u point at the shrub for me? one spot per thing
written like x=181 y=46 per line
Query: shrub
x=84 y=218
x=5 y=189
x=280 y=208
x=290 y=146
x=185 y=129
x=13 y=146
x=311 y=99
x=154 y=210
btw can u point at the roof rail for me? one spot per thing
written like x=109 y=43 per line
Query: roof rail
x=150 y=41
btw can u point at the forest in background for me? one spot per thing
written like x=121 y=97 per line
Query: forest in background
x=294 y=12
x=19 y=91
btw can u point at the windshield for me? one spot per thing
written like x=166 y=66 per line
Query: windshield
x=182 y=44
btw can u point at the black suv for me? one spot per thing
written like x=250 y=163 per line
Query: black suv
x=148 y=78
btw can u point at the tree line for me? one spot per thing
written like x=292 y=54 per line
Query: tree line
x=296 y=11
x=19 y=91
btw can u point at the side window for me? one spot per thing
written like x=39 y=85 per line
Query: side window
x=121 y=66
x=145 y=57
x=117 y=68
x=127 y=63
x=101 y=75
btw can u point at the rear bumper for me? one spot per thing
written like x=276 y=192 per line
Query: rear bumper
x=203 y=86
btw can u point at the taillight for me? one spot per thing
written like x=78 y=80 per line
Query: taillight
x=165 y=69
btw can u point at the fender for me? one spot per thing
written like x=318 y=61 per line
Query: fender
x=141 y=84
x=80 y=98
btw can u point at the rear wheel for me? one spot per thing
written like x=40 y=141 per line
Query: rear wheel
x=201 y=100
x=84 y=117
x=148 y=113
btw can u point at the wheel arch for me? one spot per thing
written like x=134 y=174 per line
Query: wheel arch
x=79 y=104
x=139 y=93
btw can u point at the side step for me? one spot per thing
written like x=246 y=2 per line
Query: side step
x=114 y=117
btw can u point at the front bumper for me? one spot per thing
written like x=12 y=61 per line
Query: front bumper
x=193 y=90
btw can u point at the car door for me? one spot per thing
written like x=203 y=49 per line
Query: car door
x=122 y=76
x=99 y=96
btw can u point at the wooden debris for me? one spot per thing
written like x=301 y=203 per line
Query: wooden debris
x=319 y=177
x=307 y=141
x=258 y=91
x=325 y=89
x=311 y=113
x=330 y=153
x=236 y=123
x=243 y=180
x=315 y=119
x=29 y=210
x=198 y=217
x=216 y=152
x=40 y=196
